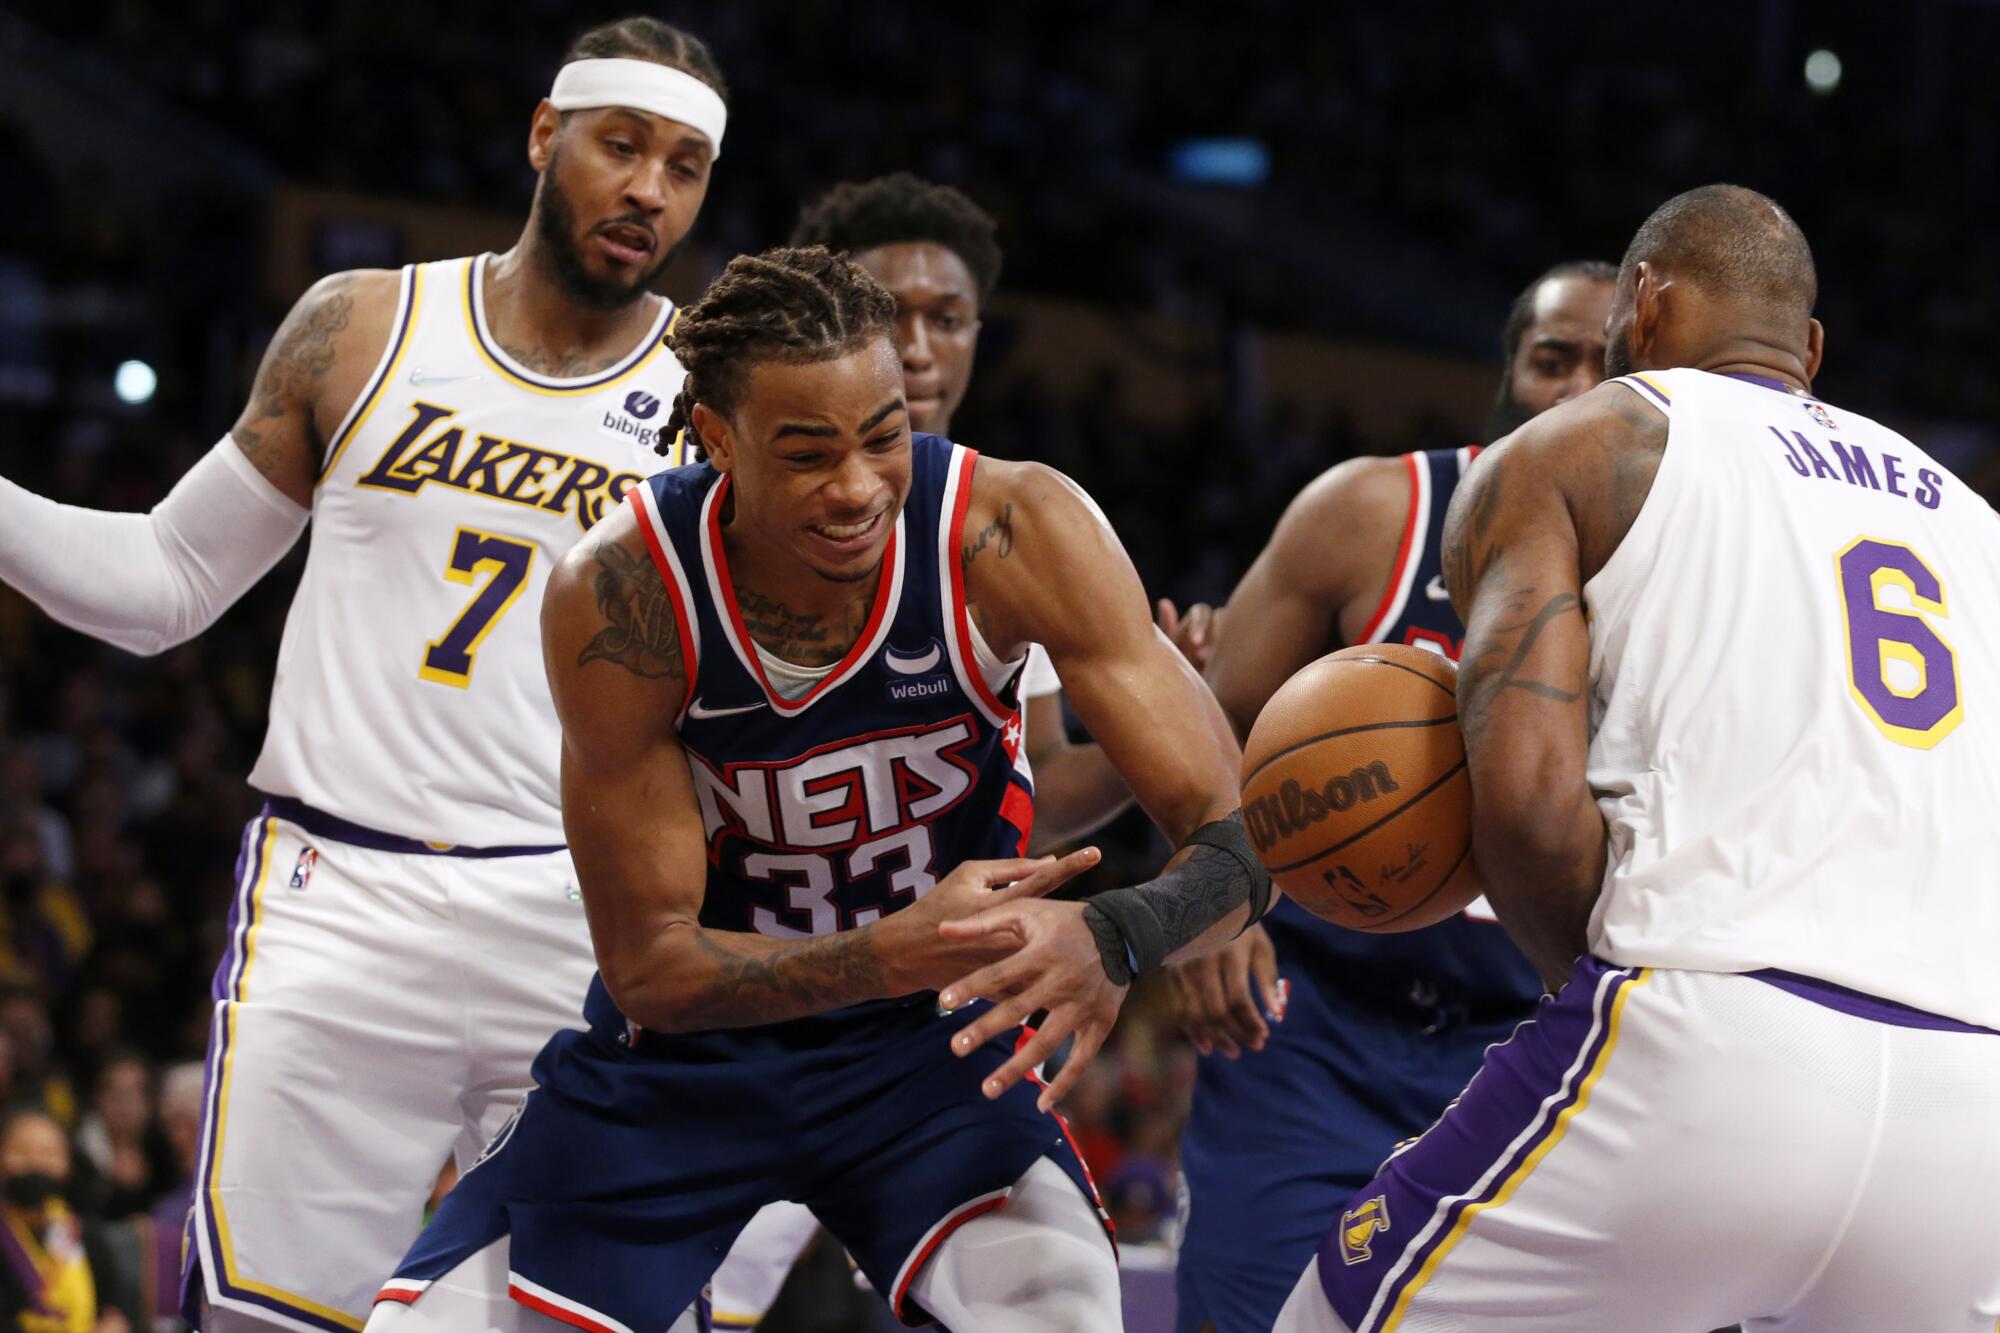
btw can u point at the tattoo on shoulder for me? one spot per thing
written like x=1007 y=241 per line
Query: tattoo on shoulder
x=304 y=349
x=998 y=534
x=641 y=635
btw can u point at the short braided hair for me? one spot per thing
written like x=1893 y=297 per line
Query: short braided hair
x=790 y=305
x=899 y=208
x=643 y=37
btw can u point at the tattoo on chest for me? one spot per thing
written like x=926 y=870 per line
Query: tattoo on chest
x=803 y=639
x=561 y=365
x=642 y=635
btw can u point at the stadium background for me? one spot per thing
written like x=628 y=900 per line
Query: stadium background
x=1238 y=251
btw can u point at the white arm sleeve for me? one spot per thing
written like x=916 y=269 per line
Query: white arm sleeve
x=146 y=582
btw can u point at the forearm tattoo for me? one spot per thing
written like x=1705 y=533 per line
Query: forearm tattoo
x=808 y=977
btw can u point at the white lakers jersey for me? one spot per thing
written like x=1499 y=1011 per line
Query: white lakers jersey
x=410 y=695
x=1795 y=663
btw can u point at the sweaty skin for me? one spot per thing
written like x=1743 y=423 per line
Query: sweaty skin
x=820 y=457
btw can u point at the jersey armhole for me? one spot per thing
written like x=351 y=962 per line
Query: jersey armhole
x=1651 y=391
x=1409 y=552
x=959 y=642
x=661 y=546
x=409 y=291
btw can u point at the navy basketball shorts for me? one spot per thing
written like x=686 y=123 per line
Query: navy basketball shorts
x=628 y=1174
x=1277 y=1140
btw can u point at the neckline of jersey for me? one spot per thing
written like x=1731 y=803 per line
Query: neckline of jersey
x=1765 y=382
x=489 y=346
x=873 y=633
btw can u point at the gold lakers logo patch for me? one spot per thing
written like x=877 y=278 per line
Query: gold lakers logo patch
x=1358 y=1227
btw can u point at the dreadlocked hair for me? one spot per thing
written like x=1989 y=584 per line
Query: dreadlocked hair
x=788 y=305
x=645 y=38
x=898 y=208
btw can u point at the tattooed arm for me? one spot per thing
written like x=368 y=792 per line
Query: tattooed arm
x=612 y=649
x=1533 y=519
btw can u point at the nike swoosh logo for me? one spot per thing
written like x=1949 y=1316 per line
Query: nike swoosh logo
x=914 y=666
x=1435 y=589
x=695 y=709
x=419 y=377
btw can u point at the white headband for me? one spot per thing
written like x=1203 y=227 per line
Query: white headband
x=643 y=85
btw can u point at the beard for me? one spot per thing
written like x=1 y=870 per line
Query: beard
x=556 y=228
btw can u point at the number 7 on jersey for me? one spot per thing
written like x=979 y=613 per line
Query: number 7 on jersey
x=507 y=562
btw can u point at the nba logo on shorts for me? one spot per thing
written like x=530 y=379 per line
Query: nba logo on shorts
x=1358 y=1227
x=641 y=404
x=302 y=872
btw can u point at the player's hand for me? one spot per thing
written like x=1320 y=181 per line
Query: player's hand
x=1056 y=968
x=924 y=959
x=1193 y=631
x=1217 y=996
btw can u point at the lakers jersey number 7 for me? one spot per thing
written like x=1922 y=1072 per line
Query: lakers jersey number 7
x=410 y=695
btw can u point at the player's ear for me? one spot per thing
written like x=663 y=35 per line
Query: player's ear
x=1649 y=287
x=542 y=128
x=1815 y=348
x=713 y=431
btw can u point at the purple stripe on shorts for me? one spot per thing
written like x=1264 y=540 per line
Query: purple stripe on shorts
x=1510 y=1107
x=333 y=828
x=1859 y=1004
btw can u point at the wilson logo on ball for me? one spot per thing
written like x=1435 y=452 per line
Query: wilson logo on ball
x=1295 y=807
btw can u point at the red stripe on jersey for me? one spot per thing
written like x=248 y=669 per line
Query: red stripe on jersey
x=1018 y=809
x=683 y=624
x=938 y=1237
x=961 y=615
x=556 y=1312
x=1403 y=553
x=403 y=1295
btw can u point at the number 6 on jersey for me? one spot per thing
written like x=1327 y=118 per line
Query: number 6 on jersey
x=1900 y=670
x=507 y=561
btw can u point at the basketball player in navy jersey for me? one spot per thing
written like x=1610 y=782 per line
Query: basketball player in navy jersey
x=790 y=738
x=1378 y=1032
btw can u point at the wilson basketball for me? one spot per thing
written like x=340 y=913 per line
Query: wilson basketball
x=1355 y=793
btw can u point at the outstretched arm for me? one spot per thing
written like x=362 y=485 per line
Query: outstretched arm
x=146 y=582
x=1511 y=559
x=615 y=665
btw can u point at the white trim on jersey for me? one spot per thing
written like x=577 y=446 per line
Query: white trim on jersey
x=1413 y=557
x=663 y=545
x=887 y=601
x=959 y=618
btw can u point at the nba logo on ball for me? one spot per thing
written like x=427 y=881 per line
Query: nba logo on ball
x=641 y=404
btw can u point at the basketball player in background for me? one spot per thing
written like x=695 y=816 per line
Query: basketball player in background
x=790 y=738
x=1724 y=699
x=1379 y=1032
x=406 y=931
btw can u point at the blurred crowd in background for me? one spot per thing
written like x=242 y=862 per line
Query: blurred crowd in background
x=1389 y=176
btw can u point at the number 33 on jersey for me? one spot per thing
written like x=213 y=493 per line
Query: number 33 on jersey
x=457 y=481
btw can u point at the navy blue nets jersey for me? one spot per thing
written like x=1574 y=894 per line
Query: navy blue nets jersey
x=837 y=808
x=1468 y=959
